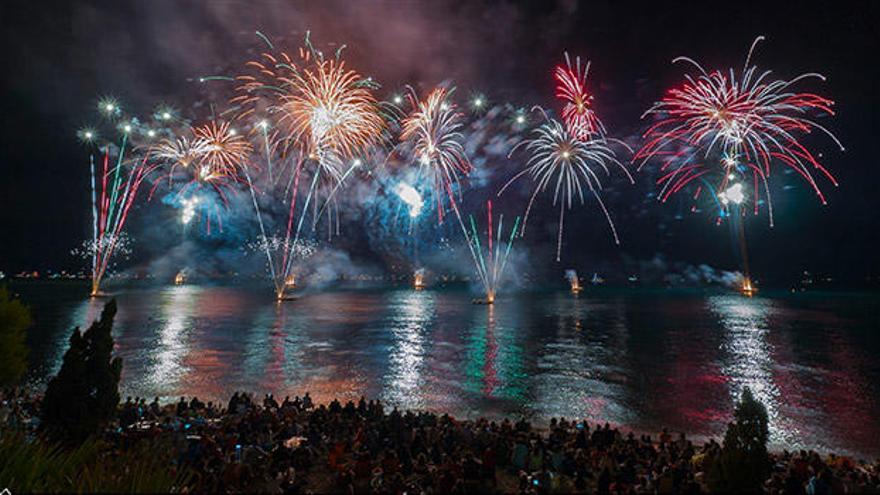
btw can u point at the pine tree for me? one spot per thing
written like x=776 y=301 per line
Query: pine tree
x=743 y=464
x=85 y=393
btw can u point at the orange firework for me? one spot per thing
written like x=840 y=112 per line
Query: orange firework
x=316 y=116
x=258 y=95
x=225 y=151
x=329 y=113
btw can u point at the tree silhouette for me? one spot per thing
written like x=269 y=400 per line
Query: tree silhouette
x=85 y=393
x=743 y=463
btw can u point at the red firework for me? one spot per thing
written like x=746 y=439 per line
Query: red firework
x=734 y=126
x=577 y=113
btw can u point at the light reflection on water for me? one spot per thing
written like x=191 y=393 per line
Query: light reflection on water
x=412 y=315
x=583 y=362
x=747 y=356
x=168 y=353
x=636 y=359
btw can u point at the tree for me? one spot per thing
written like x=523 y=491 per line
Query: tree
x=15 y=318
x=743 y=464
x=85 y=393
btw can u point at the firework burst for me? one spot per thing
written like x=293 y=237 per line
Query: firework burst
x=331 y=115
x=188 y=171
x=325 y=118
x=224 y=151
x=746 y=120
x=433 y=129
x=180 y=152
x=577 y=112
x=570 y=166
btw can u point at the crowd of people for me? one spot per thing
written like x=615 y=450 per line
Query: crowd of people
x=295 y=446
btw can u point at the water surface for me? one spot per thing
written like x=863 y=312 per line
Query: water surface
x=639 y=359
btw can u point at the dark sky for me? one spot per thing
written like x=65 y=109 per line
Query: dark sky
x=60 y=56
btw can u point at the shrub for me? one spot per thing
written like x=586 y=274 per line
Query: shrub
x=15 y=318
x=40 y=466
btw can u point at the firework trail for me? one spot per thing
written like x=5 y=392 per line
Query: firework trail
x=746 y=120
x=114 y=187
x=490 y=264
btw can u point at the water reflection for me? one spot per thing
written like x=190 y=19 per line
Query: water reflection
x=642 y=360
x=495 y=361
x=286 y=341
x=582 y=364
x=177 y=307
x=412 y=313
x=481 y=367
x=490 y=371
x=748 y=359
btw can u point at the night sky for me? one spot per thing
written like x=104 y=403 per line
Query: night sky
x=61 y=56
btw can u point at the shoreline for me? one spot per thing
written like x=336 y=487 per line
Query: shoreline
x=543 y=423
x=538 y=422
x=250 y=444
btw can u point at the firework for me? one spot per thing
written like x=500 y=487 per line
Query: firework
x=734 y=126
x=192 y=165
x=108 y=107
x=224 y=150
x=108 y=247
x=113 y=193
x=490 y=264
x=165 y=114
x=433 y=129
x=257 y=100
x=411 y=197
x=114 y=187
x=568 y=165
x=577 y=113
x=330 y=115
x=279 y=250
x=325 y=117
x=180 y=152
